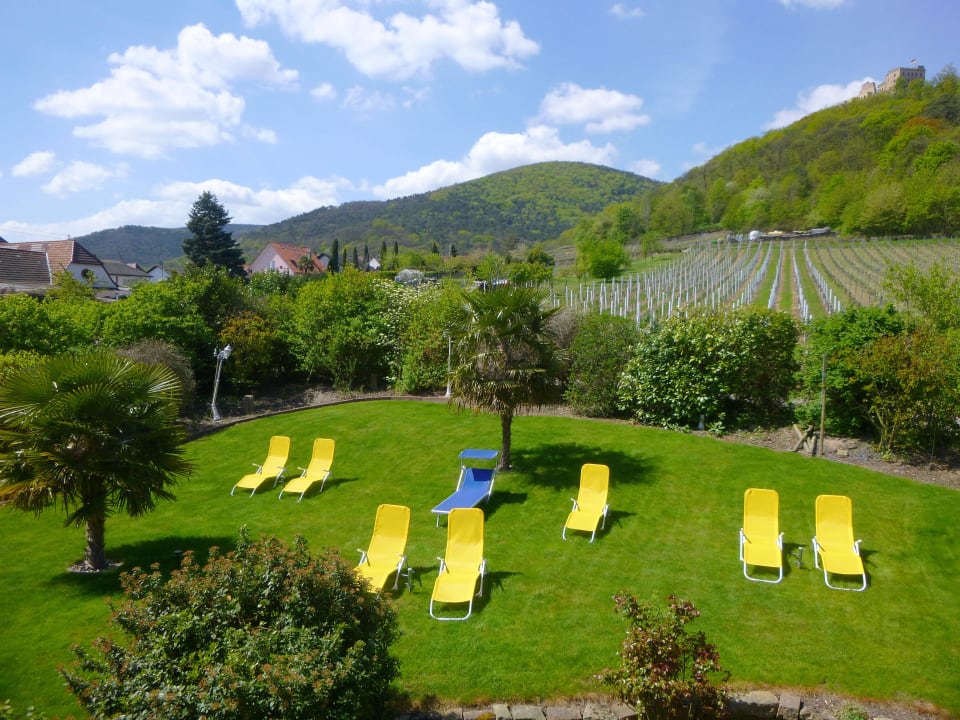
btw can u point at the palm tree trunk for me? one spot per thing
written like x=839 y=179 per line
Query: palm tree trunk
x=96 y=553
x=506 y=424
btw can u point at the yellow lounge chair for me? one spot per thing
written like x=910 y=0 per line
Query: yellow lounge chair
x=273 y=467
x=385 y=554
x=317 y=470
x=590 y=508
x=761 y=542
x=833 y=545
x=463 y=562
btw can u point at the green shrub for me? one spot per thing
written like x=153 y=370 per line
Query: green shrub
x=665 y=671
x=339 y=329
x=910 y=388
x=601 y=349
x=840 y=338
x=711 y=366
x=264 y=631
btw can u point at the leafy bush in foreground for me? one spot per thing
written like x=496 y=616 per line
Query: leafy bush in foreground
x=264 y=631
x=666 y=672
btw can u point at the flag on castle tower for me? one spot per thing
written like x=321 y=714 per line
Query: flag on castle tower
x=913 y=62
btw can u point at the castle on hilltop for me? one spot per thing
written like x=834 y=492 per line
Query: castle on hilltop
x=918 y=72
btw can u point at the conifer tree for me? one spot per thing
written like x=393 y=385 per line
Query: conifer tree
x=335 y=256
x=211 y=244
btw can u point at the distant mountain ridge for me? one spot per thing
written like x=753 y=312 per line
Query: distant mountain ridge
x=533 y=203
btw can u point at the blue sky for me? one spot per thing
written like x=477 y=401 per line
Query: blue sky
x=117 y=112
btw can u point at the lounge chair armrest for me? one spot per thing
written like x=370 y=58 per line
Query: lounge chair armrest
x=856 y=546
x=443 y=564
x=573 y=500
x=258 y=466
x=363 y=556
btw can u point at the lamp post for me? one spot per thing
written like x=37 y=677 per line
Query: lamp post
x=220 y=355
x=446 y=334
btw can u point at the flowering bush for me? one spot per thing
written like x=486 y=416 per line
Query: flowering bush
x=264 y=631
x=666 y=672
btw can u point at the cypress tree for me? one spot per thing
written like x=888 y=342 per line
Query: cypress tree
x=335 y=256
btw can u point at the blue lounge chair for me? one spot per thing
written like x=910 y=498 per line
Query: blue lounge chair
x=475 y=484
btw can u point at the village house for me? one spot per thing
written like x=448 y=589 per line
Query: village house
x=289 y=260
x=58 y=255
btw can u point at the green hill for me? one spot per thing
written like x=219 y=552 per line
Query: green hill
x=147 y=246
x=884 y=165
x=528 y=204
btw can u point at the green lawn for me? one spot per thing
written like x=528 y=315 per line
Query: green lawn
x=546 y=622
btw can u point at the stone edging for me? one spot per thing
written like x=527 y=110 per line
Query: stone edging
x=759 y=704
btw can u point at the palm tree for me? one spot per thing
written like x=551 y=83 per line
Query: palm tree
x=94 y=433
x=506 y=355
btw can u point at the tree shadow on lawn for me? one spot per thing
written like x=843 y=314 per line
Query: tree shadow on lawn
x=166 y=552
x=557 y=465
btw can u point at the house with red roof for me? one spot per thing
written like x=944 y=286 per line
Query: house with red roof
x=289 y=259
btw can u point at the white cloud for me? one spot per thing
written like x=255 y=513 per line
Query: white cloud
x=470 y=34
x=155 y=100
x=368 y=101
x=36 y=163
x=621 y=10
x=599 y=110
x=817 y=4
x=79 y=176
x=494 y=152
x=324 y=91
x=647 y=168
x=817 y=99
x=170 y=205
x=263 y=205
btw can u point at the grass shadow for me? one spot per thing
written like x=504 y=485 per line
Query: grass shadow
x=557 y=465
x=499 y=498
x=166 y=553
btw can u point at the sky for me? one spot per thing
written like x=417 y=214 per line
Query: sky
x=122 y=113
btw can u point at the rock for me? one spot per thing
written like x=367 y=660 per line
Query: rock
x=527 y=712
x=562 y=712
x=755 y=704
x=789 y=708
x=501 y=711
x=598 y=712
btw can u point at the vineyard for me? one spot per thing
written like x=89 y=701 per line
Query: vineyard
x=807 y=277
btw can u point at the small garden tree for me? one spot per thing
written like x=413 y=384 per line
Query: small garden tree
x=265 y=631
x=665 y=671
x=95 y=433
x=506 y=355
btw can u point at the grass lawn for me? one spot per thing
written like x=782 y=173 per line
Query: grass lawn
x=546 y=622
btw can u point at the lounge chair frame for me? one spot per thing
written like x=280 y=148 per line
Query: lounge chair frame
x=275 y=464
x=591 y=473
x=475 y=483
x=386 y=528
x=317 y=470
x=768 y=501
x=464 y=570
x=838 y=505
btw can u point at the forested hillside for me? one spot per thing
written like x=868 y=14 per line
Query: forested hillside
x=529 y=204
x=147 y=246
x=885 y=165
